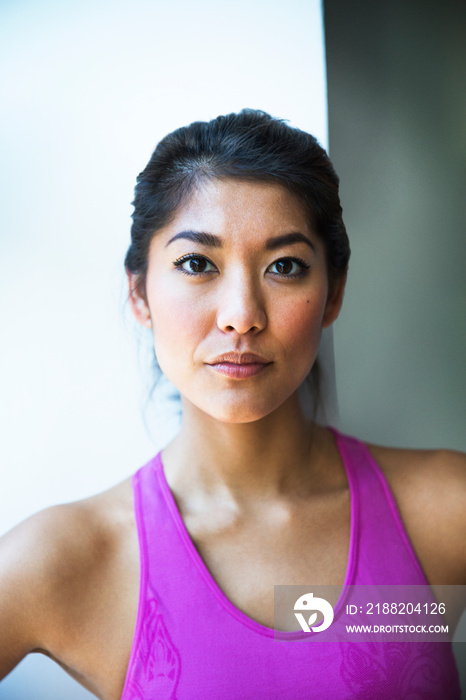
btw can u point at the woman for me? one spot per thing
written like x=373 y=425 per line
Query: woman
x=163 y=586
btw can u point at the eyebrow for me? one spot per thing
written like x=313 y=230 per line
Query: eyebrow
x=208 y=239
x=213 y=241
x=286 y=239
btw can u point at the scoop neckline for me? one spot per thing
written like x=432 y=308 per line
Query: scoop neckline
x=226 y=603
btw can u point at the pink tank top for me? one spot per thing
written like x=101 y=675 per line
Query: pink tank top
x=192 y=643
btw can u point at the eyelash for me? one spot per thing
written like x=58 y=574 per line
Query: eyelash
x=178 y=264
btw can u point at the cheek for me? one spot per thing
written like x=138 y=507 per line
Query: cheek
x=301 y=327
x=178 y=321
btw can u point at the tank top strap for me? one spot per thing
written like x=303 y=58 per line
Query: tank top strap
x=155 y=660
x=376 y=519
x=163 y=538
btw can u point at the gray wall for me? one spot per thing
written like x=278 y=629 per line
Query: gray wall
x=396 y=75
x=397 y=133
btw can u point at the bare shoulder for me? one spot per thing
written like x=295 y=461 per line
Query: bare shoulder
x=423 y=472
x=51 y=566
x=430 y=490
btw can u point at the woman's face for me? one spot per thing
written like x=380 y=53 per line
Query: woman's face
x=237 y=295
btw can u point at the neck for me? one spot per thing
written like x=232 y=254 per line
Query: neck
x=264 y=459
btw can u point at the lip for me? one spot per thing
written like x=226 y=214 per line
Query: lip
x=239 y=358
x=239 y=365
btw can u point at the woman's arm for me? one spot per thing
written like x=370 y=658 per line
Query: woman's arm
x=33 y=559
x=69 y=589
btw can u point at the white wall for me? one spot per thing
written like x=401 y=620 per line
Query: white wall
x=88 y=89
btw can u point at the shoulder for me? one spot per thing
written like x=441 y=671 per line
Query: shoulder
x=429 y=487
x=64 y=540
x=50 y=566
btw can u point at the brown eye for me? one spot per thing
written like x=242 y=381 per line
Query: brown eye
x=288 y=267
x=284 y=267
x=197 y=264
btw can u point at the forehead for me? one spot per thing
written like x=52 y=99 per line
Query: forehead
x=231 y=208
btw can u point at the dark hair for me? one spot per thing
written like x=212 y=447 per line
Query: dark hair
x=250 y=145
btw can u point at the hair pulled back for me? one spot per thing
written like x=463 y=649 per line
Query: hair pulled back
x=250 y=145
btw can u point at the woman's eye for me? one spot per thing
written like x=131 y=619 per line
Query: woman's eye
x=288 y=267
x=194 y=265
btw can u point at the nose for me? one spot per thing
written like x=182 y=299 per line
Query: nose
x=241 y=306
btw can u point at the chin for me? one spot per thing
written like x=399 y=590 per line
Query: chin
x=242 y=412
x=239 y=417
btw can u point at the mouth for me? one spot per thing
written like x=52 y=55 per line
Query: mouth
x=239 y=365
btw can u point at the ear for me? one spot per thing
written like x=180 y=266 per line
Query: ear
x=334 y=302
x=138 y=301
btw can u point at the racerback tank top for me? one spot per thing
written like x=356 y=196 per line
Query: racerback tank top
x=192 y=643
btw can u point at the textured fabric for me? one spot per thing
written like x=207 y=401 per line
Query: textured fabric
x=192 y=643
